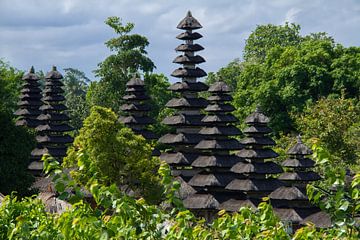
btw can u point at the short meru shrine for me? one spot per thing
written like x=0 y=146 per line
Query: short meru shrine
x=217 y=171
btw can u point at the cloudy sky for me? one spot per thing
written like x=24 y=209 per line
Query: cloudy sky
x=71 y=33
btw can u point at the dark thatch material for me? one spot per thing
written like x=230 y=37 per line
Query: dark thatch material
x=254 y=185
x=234 y=205
x=299 y=149
x=298 y=163
x=54 y=117
x=184 y=59
x=189 y=36
x=257 y=117
x=188 y=86
x=201 y=201
x=219 y=119
x=211 y=179
x=53 y=74
x=180 y=138
x=189 y=23
x=221 y=131
x=54 y=139
x=220 y=161
x=320 y=219
x=55 y=108
x=257 y=153
x=135 y=82
x=178 y=158
x=263 y=140
x=225 y=98
x=187 y=72
x=136 y=120
x=54 y=128
x=288 y=193
x=187 y=103
x=219 y=87
x=220 y=108
x=300 y=176
x=189 y=47
x=256 y=167
x=219 y=144
x=136 y=107
x=183 y=120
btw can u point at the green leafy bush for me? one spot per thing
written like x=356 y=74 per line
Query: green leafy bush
x=111 y=153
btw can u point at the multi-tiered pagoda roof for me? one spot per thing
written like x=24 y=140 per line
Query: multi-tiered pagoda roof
x=188 y=105
x=290 y=200
x=256 y=170
x=216 y=157
x=30 y=101
x=52 y=138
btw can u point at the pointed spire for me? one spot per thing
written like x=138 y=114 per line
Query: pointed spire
x=189 y=23
x=32 y=70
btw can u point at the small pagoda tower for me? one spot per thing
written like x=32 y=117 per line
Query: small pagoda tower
x=187 y=106
x=256 y=169
x=30 y=101
x=216 y=158
x=136 y=110
x=290 y=201
x=52 y=138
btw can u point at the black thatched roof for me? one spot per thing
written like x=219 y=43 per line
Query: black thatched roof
x=234 y=205
x=260 y=140
x=187 y=103
x=181 y=138
x=53 y=74
x=228 y=118
x=254 y=185
x=211 y=179
x=185 y=59
x=31 y=76
x=300 y=176
x=288 y=193
x=49 y=107
x=189 y=36
x=189 y=23
x=29 y=103
x=257 y=117
x=220 y=98
x=201 y=201
x=54 y=128
x=131 y=96
x=136 y=120
x=257 y=153
x=135 y=82
x=27 y=112
x=53 y=151
x=299 y=149
x=53 y=117
x=183 y=120
x=320 y=219
x=136 y=107
x=188 y=73
x=221 y=161
x=188 y=86
x=219 y=144
x=256 y=167
x=178 y=158
x=220 y=108
x=189 y=47
x=298 y=163
x=219 y=87
x=220 y=131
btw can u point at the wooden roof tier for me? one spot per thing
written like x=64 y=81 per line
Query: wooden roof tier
x=52 y=137
x=290 y=200
x=186 y=119
x=30 y=101
x=216 y=157
x=256 y=172
x=136 y=110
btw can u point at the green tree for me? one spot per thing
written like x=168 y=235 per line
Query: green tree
x=129 y=58
x=10 y=85
x=265 y=37
x=334 y=122
x=75 y=87
x=16 y=144
x=292 y=75
x=113 y=154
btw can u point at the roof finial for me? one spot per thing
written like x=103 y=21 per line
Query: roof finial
x=53 y=68
x=258 y=108
x=32 y=70
x=189 y=14
x=299 y=138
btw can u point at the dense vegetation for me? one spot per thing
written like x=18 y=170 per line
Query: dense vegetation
x=306 y=84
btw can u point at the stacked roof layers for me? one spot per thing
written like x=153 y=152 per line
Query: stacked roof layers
x=137 y=110
x=188 y=105
x=290 y=200
x=257 y=168
x=52 y=138
x=30 y=101
x=216 y=158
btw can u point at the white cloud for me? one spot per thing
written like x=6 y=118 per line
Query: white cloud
x=71 y=33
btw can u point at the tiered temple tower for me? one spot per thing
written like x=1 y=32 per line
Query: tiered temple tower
x=51 y=134
x=30 y=101
x=290 y=201
x=136 y=110
x=216 y=159
x=187 y=117
x=256 y=181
